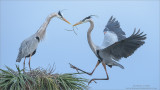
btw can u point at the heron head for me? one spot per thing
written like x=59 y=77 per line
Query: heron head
x=85 y=20
x=60 y=16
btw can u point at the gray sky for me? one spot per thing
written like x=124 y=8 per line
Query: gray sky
x=19 y=20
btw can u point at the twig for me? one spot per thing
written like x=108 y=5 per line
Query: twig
x=72 y=30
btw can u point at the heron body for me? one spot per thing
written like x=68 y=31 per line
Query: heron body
x=115 y=45
x=109 y=39
x=31 y=54
x=34 y=50
x=28 y=47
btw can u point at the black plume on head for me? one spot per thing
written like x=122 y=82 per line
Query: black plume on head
x=59 y=13
x=88 y=17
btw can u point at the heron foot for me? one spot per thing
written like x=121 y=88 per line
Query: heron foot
x=74 y=67
x=91 y=81
x=98 y=79
x=77 y=69
x=23 y=70
x=90 y=74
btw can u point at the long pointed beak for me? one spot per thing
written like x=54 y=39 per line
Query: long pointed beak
x=66 y=21
x=77 y=23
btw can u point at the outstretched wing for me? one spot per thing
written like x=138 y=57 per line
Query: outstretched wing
x=114 y=26
x=126 y=47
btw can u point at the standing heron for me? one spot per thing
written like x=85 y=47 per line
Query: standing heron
x=28 y=46
x=114 y=47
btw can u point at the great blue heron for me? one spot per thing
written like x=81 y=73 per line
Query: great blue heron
x=114 y=47
x=28 y=46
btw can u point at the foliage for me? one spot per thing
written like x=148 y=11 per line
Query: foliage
x=40 y=79
x=10 y=79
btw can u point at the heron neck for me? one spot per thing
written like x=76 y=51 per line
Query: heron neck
x=42 y=30
x=91 y=44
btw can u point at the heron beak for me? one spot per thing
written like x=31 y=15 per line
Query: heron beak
x=77 y=23
x=66 y=21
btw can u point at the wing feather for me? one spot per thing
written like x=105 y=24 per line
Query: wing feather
x=114 y=26
x=126 y=47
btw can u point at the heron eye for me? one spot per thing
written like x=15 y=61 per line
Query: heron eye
x=37 y=38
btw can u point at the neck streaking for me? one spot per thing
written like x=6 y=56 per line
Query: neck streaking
x=42 y=30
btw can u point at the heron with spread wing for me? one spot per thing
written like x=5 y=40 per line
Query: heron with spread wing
x=114 y=47
x=28 y=46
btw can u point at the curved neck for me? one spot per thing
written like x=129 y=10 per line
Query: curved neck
x=42 y=30
x=91 y=44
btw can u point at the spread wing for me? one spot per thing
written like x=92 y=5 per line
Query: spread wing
x=126 y=47
x=114 y=26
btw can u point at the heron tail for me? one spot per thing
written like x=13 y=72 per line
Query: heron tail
x=117 y=64
x=121 y=66
x=18 y=59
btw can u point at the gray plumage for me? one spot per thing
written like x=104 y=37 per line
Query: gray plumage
x=114 y=26
x=28 y=46
x=115 y=44
x=126 y=47
x=114 y=47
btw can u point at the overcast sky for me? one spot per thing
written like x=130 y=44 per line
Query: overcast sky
x=19 y=20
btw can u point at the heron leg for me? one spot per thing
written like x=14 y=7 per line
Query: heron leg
x=104 y=65
x=98 y=62
x=24 y=65
x=29 y=62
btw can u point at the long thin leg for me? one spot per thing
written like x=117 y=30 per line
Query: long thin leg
x=24 y=65
x=29 y=62
x=104 y=65
x=98 y=62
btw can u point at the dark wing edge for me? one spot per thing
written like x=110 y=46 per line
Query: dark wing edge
x=114 y=26
x=126 y=47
